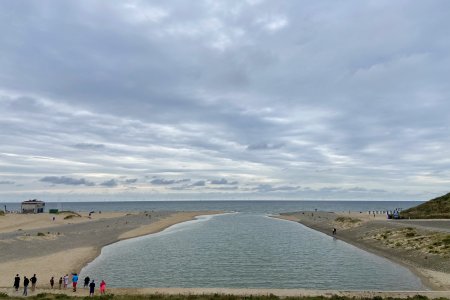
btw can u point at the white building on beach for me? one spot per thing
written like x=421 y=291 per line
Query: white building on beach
x=32 y=206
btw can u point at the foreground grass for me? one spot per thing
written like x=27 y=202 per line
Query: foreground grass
x=45 y=296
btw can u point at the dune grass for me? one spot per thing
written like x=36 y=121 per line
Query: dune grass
x=437 y=208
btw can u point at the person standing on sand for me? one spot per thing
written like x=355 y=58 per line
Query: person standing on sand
x=91 y=288
x=86 y=281
x=66 y=281
x=102 y=287
x=334 y=231
x=26 y=282
x=33 y=282
x=16 y=282
x=52 y=282
x=60 y=282
x=74 y=281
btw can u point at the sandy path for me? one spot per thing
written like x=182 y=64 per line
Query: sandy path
x=76 y=244
x=245 y=292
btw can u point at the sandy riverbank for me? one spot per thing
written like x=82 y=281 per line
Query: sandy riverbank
x=407 y=243
x=243 y=292
x=35 y=244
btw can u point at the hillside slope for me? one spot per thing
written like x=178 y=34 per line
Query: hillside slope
x=437 y=208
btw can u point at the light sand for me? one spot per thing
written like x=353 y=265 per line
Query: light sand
x=241 y=292
x=56 y=255
x=14 y=222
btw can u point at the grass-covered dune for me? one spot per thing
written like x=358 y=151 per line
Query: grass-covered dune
x=437 y=208
x=44 y=296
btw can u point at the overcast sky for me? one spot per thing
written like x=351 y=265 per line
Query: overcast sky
x=158 y=100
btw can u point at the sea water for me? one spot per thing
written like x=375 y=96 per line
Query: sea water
x=245 y=250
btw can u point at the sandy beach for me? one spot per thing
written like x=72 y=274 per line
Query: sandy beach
x=415 y=244
x=36 y=243
x=244 y=292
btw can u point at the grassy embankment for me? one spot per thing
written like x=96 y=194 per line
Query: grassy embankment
x=205 y=297
x=437 y=208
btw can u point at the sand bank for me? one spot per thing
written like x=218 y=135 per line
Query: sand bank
x=66 y=245
x=403 y=243
x=244 y=292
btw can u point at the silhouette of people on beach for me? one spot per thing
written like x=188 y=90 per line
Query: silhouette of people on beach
x=102 y=287
x=91 y=288
x=16 y=282
x=66 y=281
x=60 y=282
x=26 y=282
x=334 y=231
x=52 y=282
x=33 y=282
x=74 y=281
x=86 y=281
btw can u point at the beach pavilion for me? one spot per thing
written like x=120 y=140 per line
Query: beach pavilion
x=32 y=206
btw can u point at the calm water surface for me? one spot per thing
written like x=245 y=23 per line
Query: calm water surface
x=245 y=250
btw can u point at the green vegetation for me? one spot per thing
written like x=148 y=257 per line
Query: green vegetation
x=69 y=212
x=2 y=213
x=40 y=234
x=408 y=238
x=437 y=208
x=347 y=220
x=45 y=296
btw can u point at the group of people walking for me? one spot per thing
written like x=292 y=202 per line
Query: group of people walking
x=63 y=282
x=26 y=283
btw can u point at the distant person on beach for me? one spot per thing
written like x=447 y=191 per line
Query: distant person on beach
x=33 y=282
x=52 y=282
x=60 y=282
x=26 y=282
x=16 y=282
x=102 y=287
x=86 y=281
x=334 y=231
x=74 y=281
x=66 y=281
x=91 y=288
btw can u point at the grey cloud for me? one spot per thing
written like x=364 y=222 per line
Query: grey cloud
x=264 y=146
x=110 y=183
x=66 y=180
x=265 y=188
x=198 y=183
x=6 y=182
x=162 y=181
x=223 y=181
x=88 y=146
x=130 y=180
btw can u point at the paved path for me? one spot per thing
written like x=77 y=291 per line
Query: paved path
x=438 y=225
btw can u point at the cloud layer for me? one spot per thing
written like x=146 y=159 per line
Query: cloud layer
x=225 y=99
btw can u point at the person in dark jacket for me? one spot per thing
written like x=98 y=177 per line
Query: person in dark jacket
x=33 y=282
x=16 y=282
x=91 y=288
x=26 y=282
x=86 y=281
x=52 y=282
